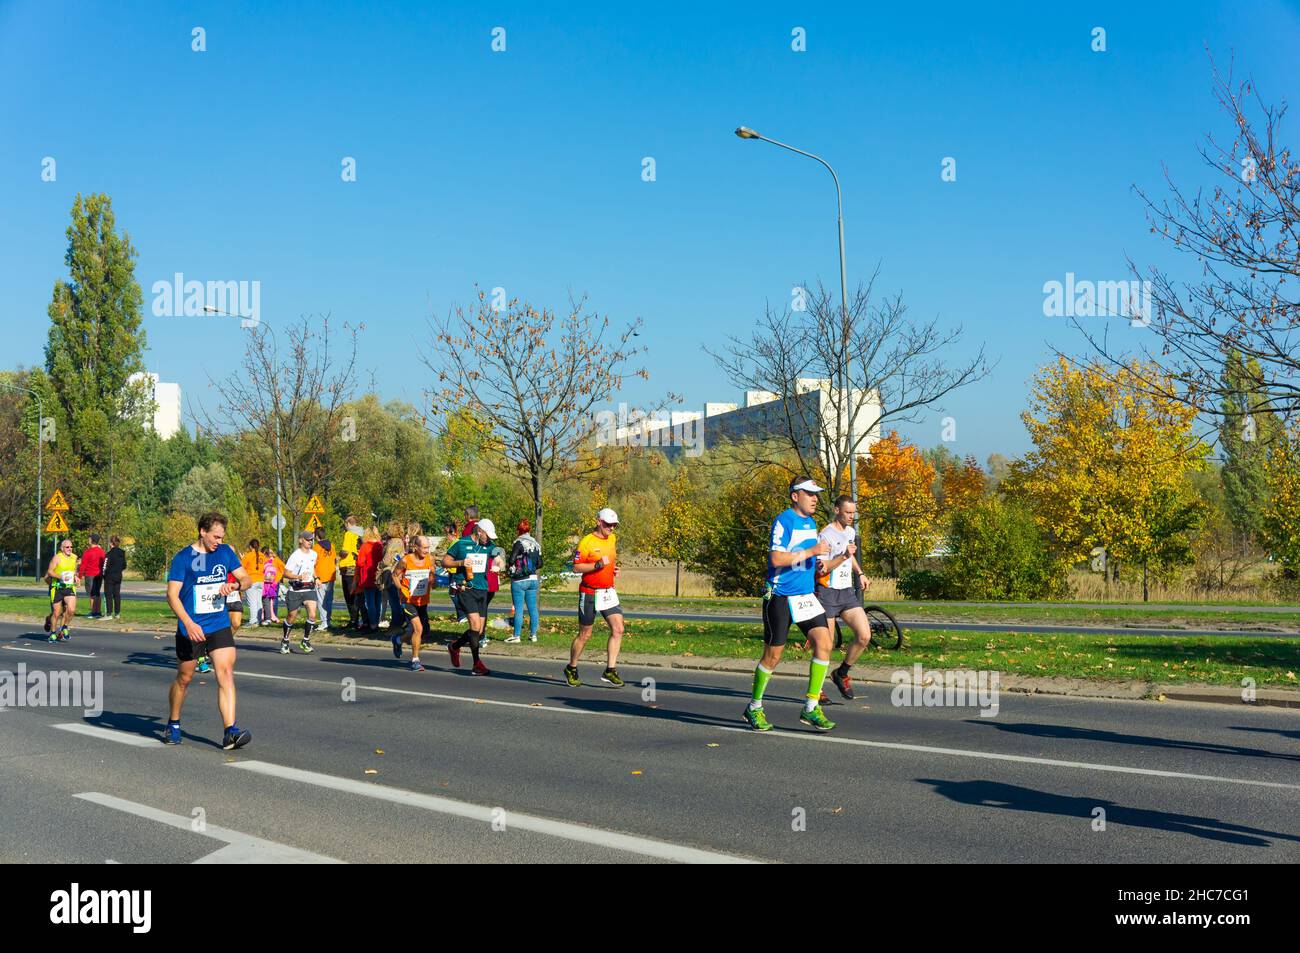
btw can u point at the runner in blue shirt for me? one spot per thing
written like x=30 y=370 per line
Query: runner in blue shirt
x=197 y=585
x=791 y=577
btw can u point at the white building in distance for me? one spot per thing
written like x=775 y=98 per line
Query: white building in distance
x=167 y=404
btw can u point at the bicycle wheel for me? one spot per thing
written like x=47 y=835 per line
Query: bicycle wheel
x=885 y=630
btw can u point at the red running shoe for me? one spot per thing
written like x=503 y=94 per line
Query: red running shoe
x=454 y=652
x=479 y=669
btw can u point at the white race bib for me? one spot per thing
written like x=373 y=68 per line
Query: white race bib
x=606 y=599
x=477 y=562
x=69 y=577
x=417 y=581
x=842 y=575
x=803 y=608
x=208 y=598
x=233 y=598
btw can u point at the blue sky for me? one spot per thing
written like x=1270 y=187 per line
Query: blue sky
x=522 y=169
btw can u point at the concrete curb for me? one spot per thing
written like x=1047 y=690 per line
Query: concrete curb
x=1070 y=687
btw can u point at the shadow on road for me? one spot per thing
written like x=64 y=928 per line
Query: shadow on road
x=1273 y=731
x=1071 y=733
x=146 y=726
x=1013 y=797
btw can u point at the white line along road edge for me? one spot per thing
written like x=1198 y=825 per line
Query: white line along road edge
x=239 y=849
x=575 y=832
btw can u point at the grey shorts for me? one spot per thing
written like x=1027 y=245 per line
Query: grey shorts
x=836 y=601
x=294 y=599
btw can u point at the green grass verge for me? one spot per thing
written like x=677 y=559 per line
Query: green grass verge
x=1173 y=660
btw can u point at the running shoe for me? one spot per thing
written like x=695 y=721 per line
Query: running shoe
x=571 y=675
x=397 y=645
x=284 y=646
x=843 y=683
x=306 y=647
x=479 y=669
x=205 y=665
x=817 y=718
x=172 y=734
x=416 y=666
x=54 y=637
x=47 y=623
x=611 y=676
x=513 y=640
x=454 y=652
x=532 y=638
x=236 y=738
x=64 y=634
x=756 y=718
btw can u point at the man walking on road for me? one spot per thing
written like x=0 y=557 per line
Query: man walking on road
x=789 y=598
x=300 y=575
x=595 y=559
x=198 y=583
x=836 y=588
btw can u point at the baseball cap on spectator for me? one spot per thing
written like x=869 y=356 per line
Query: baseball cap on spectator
x=488 y=527
x=608 y=516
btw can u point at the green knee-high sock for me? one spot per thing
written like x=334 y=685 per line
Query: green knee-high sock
x=816 y=677
x=761 y=677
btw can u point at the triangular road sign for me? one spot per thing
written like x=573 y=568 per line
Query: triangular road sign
x=312 y=524
x=314 y=506
x=57 y=502
x=57 y=523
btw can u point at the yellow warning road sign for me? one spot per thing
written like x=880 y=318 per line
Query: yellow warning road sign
x=314 y=506
x=312 y=524
x=57 y=503
x=57 y=523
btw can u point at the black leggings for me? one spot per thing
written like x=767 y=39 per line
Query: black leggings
x=113 y=595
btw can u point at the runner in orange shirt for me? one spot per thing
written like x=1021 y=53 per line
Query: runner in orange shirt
x=595 y=559
x=413 y=576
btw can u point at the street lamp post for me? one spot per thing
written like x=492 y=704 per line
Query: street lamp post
x=40 y=468
x=744 y=132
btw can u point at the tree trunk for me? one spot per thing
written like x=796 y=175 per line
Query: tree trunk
x=677 y=586
x=1144 y=582
x=537 y=510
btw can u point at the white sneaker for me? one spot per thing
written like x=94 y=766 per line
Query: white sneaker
x=383 y=623
x=532 y=638
x=513 y=639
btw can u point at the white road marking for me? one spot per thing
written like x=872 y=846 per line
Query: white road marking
x=110 y=734
x=239 y=849
x=818 y=738
x=614 y=840
x=23 y=648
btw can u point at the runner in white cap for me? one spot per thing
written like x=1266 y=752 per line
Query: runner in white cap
x=595 y=559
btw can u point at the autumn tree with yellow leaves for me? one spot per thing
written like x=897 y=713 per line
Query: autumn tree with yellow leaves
x=1280 y=522
x=1111 y=466
x=897 y=509
x=681 y=526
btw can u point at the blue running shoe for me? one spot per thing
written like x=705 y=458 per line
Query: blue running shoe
x=416 y=666
x=172 y=733
x=236 y=738
x=397 y=645
x=205 y=666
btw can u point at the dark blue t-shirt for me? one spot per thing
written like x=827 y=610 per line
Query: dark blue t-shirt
x=201 y=576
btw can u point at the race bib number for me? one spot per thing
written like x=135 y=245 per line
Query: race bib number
x=68 y=578
x=803 y=608
x=208 y=598
x=842 y=575
x=418 y=581
x=606 y=599
x=477 y=562
x=233 y=598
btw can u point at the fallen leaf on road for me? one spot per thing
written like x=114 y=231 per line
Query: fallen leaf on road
x=636 y=772
x=1160 y=697
x=837 y=810
x=379 y=751
x=371 y=771
x=534 y=704
x=712 y=744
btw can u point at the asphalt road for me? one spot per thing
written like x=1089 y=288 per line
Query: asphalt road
x=520 y=767
x=753 y=619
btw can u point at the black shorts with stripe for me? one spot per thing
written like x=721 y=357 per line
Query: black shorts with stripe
x=776 y=620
